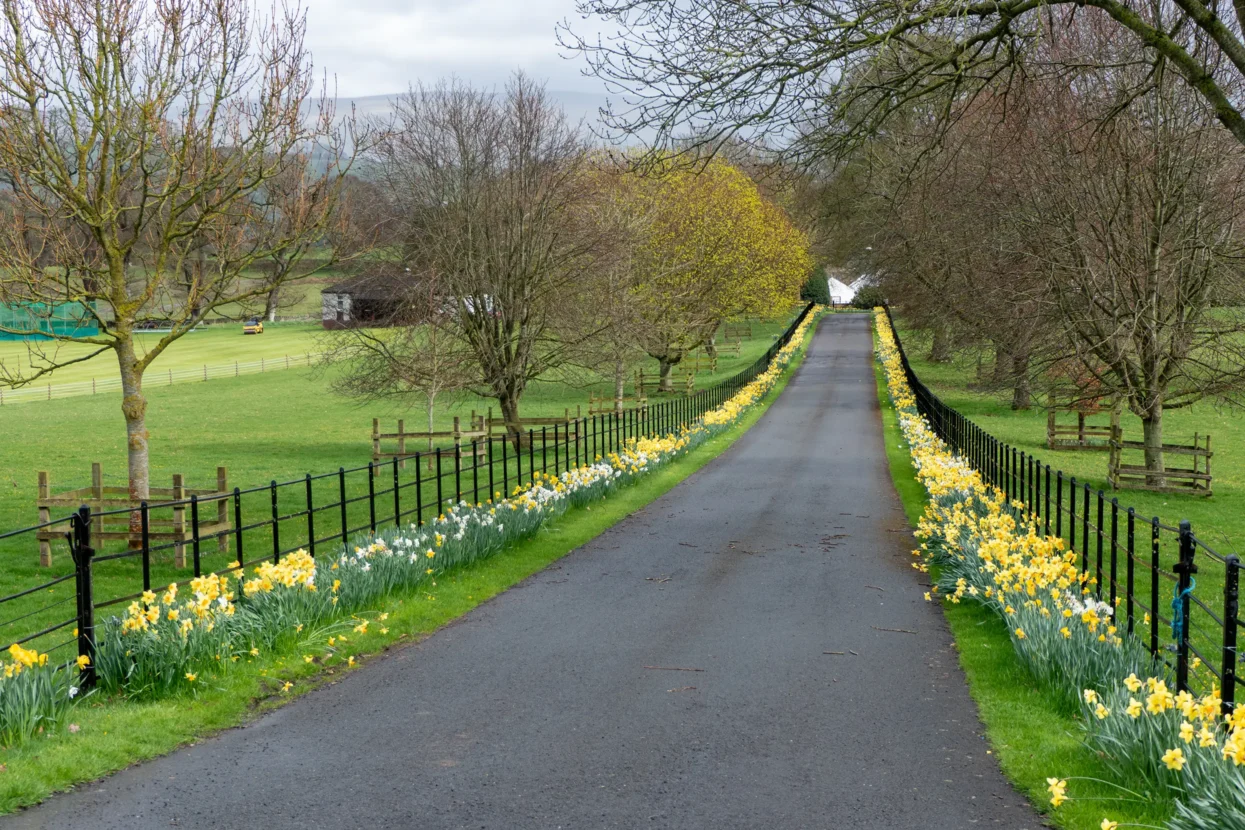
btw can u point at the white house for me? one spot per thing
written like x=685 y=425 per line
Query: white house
x=840 y=292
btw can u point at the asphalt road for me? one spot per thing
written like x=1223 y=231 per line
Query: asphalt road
x=542 y=709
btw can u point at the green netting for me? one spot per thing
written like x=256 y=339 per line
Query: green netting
x=52 y=320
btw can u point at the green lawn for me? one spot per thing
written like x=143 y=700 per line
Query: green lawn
x=216 y=345
x=114 y=734
x=277 y=426
x=1218 y=521
x=1034 y=737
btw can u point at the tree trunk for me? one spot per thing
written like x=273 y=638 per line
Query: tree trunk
x=620 y=381
x=711 y=344
x=1152 y=437
x=134 y=407
x=432 y=404
x=1021 y=397
x=940 y=347
x=1002 y=365
x=666 y=377
x=270 y=311
x=509 y=402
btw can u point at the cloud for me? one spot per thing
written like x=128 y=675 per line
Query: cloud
x=373 y=47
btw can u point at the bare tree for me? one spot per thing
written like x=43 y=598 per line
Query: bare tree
x=152 y=130
x=1137 y=225
x=490 y=193
x=782 y=70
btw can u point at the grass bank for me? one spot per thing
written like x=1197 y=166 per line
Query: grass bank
x=1033 y=735
x=111 y=734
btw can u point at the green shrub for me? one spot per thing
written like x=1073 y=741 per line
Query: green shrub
x=870 y=296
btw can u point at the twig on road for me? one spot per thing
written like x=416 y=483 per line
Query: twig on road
x=895 y=630
x=671 y=668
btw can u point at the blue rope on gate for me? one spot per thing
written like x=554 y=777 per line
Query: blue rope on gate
x=1178 y=609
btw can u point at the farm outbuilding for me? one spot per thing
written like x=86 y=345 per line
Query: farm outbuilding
x=376 y=298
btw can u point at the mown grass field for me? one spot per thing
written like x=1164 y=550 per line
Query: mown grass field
x=1217 y=521
x=214 y=345
x=1034 y=736
x=273 y=427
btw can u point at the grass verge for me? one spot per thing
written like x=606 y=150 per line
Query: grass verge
x=113 y=734
x=1034 y=737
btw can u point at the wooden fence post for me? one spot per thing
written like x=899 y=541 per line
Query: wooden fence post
x=375 y=438
x=97 y=493
x=45 y=492
x=222 y=510
x=401 y=444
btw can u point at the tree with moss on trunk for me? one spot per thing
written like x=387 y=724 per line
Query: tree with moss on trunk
x=153 y=131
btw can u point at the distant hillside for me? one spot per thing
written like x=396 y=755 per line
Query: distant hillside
x=579 y=106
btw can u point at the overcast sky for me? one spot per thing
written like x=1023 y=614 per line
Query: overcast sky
x=377 y=47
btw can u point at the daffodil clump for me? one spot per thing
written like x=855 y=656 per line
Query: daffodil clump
x=987 y=552
x=34 y=696
x=180 y=638
x=1181 y=746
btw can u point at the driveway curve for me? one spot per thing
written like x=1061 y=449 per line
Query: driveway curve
x=738 y=654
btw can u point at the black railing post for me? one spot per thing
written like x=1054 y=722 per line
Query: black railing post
x=82 y=552
x=1059 y=503
x=1046 y=507
x=1231 y=613
x=311 y=517
x=341 y=491
x=1185 y=569
x=475 y=471
x=458 y=472
x=144 y=515
x=419 y=490
x=1072 y=514
x=440 y=492
x=397 y=496
x=194 y=533
x=371 y=497
x=276 y=524
x=1115 y=541
x=492 y=486
x=237 y=524
x=1085 y=528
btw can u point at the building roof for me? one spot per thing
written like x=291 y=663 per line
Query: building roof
x=389 y=282
x=840 y=292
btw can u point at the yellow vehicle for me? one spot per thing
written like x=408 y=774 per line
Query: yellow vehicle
x=252 y=327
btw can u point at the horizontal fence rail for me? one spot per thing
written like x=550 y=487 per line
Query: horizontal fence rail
x=168 y=377
x=115 y=555
x=1145 y=569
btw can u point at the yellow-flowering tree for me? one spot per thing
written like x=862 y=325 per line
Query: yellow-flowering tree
x=709 y=247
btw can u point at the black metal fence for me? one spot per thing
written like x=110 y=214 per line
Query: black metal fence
x=225 y=532
x=1147 y=570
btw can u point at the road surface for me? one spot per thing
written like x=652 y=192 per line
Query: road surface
x=672 y=673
